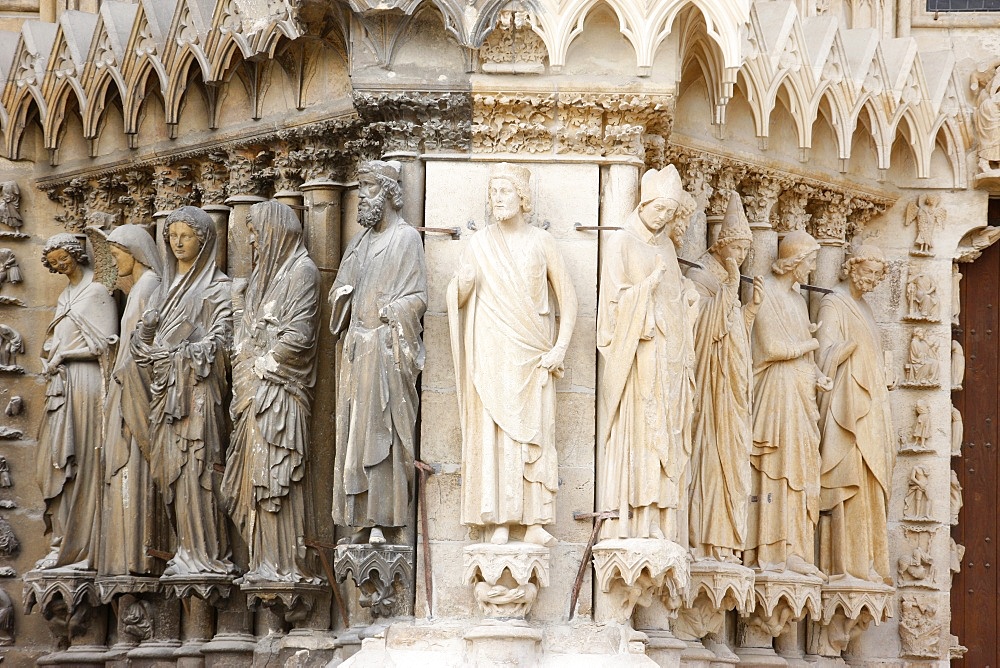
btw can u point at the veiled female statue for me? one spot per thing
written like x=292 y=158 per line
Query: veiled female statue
x=132 y=519
x=274 y=370
x=722 y=439
x=184 y=342
x=857 y=449
x=76 y=359
x=508 y=353
x=644 y=334
x=784 y=506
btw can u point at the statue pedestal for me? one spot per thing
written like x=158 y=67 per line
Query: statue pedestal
x=631 y=571
x=716 y=587
x=70 y=602
x=510 y=643
x=294 y=601
x=136 y=609
x=383 y=575
x=850 y=606
x=206 y=586
x=783 y=598
x=506 y=578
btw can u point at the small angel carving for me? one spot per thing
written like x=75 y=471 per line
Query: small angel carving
x=926 y=215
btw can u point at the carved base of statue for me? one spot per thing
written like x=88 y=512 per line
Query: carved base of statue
x=850 y=606
x=503 y=643
x=506 y=578
x=153 y=620
x=783 y=597
x=716 y=587
x=293 y=601
x=206 y=586
x=631 y=571
x=382 y=573
x=70 y=602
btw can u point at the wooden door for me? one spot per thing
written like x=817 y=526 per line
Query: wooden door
x=974 y=592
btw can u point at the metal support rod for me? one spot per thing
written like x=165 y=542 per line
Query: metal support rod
x=425 y=471
x=587 y=552
x=321 y=548
x=454 y=232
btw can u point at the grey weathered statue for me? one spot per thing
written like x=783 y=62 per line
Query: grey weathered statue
x=377 y=302
x=274 y=370
x=10 y=205
x=11 y=345
x=187 y=358
x=131 y=519
x=644 y=335
x=76 y=359
x=856 y=424
x=507 y=354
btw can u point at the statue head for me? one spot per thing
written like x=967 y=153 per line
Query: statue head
x=130 y=244
x=664 y=204
x=378 y=186
x=509 y=190
x=864 y=268
x=186 y=231
x=796 y=252
x=62 y=254
x=734 y=237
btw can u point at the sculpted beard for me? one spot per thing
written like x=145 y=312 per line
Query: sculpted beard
x=370 y=209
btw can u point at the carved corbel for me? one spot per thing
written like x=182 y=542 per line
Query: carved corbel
x=760 y=191
x=792 y=209
x=382 y=573
x=174 y=186
x=506 y=578
x=849 y=608
x=213 y=178
x=829 y=217
x=67 y=600
x=631 y=571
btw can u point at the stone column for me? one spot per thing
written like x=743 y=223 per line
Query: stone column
x=829 y=226
x=760 y=193
x=698 y=173
x=412 y=177
x=197 y=627
x=220 y=217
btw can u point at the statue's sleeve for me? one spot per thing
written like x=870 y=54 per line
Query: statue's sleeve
x=297 y=333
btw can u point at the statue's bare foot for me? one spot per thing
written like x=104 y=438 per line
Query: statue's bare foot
x=48 y=561
x=500 y=534
x=797 y=564
x=536 y=534
x=376 y=537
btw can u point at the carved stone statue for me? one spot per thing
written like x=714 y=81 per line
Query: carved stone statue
x=927 y=215
x=722 y=439
x=956 y=295
x=856 y=424
x=919 y=628
x=10 y=205
x=377 y=302
x=922 y=429
x=274 y=370
x=986 y=117
x=11 y=345
x=784 y=506
x=10 y=272
x=644 y=334
x=917 y=504
x=184 y=343
x=921 y=298
x=957 y=432
x=922 y=363
x=131 y=519
x=5 y=479
x=508 y=353
x=76 y=358
x=956 y=498
x=957 y=365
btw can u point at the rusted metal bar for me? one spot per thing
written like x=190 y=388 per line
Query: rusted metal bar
x=425 y=471
x=587 y=552
x=321 y=547
x=158 y=554
x=579 y=227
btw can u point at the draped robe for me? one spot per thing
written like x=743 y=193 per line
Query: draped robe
x=722 y=439
x=857 y=446
x=71 y=431
x=784 y=507
x=644 y=335
x=506 y=400
x=188 y=362
x=265 y=484
x=377 y=398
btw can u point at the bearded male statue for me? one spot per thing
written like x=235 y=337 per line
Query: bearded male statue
x=377 y=303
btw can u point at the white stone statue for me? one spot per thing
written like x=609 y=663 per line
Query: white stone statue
x=722 y=438
x=917 y=503
x=957 y=365
x=274 y=370
x=11 y=345
x=378 y=300
x=956 y=498
x=784 y=506
x=10 y=205
x=922 y=429
x=957 y=432
x=921 y=297
x=956 y=295
x=927 y=215
x=986 y=117
x=76 y=359
x=922 y=364
x=508 y=351
x=644 y=335
x=856 y=423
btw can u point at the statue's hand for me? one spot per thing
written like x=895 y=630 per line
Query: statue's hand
x=466 y=277
x=732 y=272
x=758 y=291
x=552 y=361
x=824 y=383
